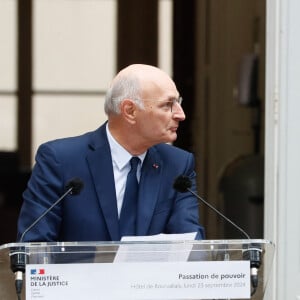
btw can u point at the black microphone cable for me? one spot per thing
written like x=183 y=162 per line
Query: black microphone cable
x=183 y=184
x=18 y=255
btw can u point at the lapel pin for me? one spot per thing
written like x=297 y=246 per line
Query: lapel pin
x=155 y=166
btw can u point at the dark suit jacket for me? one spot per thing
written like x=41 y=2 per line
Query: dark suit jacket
x=92 y=215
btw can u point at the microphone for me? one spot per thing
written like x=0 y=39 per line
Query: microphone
x=18 y=256
x=73 y=187
x=183 y=184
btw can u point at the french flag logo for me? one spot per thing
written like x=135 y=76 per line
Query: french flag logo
x=37 y=272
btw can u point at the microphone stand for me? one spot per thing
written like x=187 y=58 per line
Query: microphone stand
x=253 y=253
x=18 y=261
x=18 y=257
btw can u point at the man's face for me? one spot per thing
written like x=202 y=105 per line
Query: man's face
x=159 y=121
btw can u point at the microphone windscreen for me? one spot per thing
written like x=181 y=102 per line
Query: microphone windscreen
x=76 y=184
x=182 y=184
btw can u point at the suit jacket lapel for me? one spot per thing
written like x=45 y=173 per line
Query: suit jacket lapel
x=148 y=190
x=100 y=164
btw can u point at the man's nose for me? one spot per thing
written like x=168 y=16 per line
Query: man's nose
x=178 y=112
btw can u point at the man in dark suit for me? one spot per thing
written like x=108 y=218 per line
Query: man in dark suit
x=144 y=110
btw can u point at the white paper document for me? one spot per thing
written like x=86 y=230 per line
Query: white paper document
x=155 y=252
x=161 y=237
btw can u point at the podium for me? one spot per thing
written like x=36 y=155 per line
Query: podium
x=207 y=269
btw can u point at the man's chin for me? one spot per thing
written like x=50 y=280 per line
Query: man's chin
x=172 y=138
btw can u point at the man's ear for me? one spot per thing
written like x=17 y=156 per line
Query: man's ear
x=128 y=110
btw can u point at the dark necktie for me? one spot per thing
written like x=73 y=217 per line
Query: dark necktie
x=129 y=207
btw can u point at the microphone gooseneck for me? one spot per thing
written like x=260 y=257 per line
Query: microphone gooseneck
x=18 y=256
x=73 y=187
x=183 y=184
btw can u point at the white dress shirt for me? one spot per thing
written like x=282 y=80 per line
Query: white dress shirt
x=121 y=166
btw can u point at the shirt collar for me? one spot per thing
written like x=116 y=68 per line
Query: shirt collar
x=119 y=154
